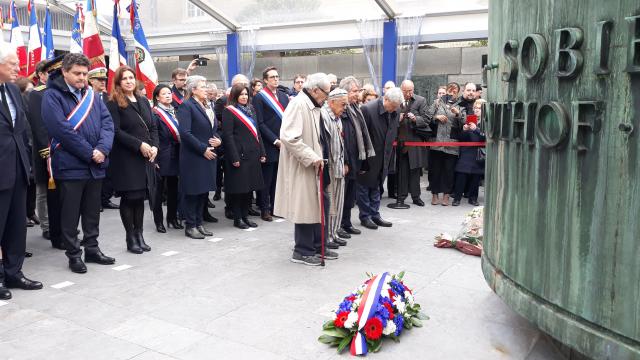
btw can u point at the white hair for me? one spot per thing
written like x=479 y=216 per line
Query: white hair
x=394 y=94
x=6 y=49
x=239 y=78
x=332 y=77
x=389 y=84
x=193 y=81
x=212 y=86
x=317 y=80
x=348 y=82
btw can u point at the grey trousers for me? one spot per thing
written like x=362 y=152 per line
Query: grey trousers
x=336 y=204
x=41 y=206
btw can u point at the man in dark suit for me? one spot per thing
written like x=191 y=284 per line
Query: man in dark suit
x=381 y=117
x=413 y=113
x=270 y=104
x=79 y=162
x=14 y=162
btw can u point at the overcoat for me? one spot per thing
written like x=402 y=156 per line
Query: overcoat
x=417 y=105
x=13 y=150
x=270 y=123
x=39 y=135
x=168 y=150
x=468 y=160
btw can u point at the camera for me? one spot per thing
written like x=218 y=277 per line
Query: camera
x=201 y=62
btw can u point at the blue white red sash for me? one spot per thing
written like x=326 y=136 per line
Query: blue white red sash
x=246 y=120
x=367 y=308
x=176 y=98
x=76 y=118
x=272 y=101
x=168 y=121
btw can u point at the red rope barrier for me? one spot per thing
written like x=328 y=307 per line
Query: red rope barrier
x=431 y=144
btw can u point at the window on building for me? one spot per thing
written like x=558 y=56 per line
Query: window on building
x=194 y=11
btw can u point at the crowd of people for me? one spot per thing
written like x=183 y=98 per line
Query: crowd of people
x=309 y=154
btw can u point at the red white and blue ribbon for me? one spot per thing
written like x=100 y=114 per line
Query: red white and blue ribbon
x=246 y=120
x=366 y=310
x=169 y=121
x=76 y=118
x=273 y=102
x=177 y=98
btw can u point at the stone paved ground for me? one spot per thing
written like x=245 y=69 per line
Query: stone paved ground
x=237 y=296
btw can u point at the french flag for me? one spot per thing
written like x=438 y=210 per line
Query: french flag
x=47 y=39
x=17 y=41
x=117 y=51
x=35 y=40
x=75 y=46
x=145 y=68
x=91 y=42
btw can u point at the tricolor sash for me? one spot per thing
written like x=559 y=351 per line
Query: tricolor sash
x=366 y=310
x=272 y=101
x=168 y=121
x=176 y=98
x=76 y=118
x=246 y=120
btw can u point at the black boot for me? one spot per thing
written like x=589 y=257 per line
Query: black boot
x=249 y=222
x=132 y=243
x=175 y=223
x=140 y=238
x=127 y=215
x=138 y=222
x=5 y=294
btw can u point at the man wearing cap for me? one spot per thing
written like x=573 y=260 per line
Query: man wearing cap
x=81 y=129
x=14 y=163
x=98 y=82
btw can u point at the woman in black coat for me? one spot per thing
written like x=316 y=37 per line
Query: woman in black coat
x=135 y=147
x=199 y=138
x=168 y=158
x=470 y=166
x=244 y=153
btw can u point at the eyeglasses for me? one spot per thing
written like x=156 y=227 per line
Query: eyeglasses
x=300 y=82
x=324 y=92
x=274 y=77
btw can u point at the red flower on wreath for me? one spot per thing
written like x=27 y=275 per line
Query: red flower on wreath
x=391 y=294
x=340 y=319
x=373 y=329
x=390 y=309
x=350 y=298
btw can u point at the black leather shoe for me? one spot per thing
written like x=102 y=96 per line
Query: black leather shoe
x=228 y=213
x=99 y=258
x=266 y=215
x=28 y=254
x=369 y=224
x=240 y=225
x=132 y=243
x=30 y=223
x=110 y=205
x=217 y=196
x=160 y=228
x=249 y=222
x=204 y=231
x=332 y=245
x=209 y=218
x=253 y=212
x=45 y=234
x=175 y=224
x=381 y=222
x=351 y=230
x=5 y=294
x=474 y=202
x=210 y=205
x=456 y=202
x=193 y=233
x=418 y=202
x=77 y=266
x=21 y=282
x=340 y=242
x=35 y=219
x=343 y=234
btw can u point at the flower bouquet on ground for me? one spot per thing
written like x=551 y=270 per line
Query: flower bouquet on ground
x=469 y=240
x=381 y=307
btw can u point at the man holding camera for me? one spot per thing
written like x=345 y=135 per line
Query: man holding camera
x=413 y=116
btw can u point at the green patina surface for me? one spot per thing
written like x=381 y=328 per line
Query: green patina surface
x=562 y=231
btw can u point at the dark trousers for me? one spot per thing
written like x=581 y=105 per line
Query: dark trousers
x=53 y=211
x=13 y=224
x=80 y=198
x=308 y=237
x=266 y=196
x=349 y=202
x=469 y=183
x=193 y=207
x=391 y=185
x=107 y=190
x=132 y=214
x=368 y=200
x=219 y=176
x=171 y=184
x=442 y=172
x=239 y=204
x=31 y=198
x=408 y=179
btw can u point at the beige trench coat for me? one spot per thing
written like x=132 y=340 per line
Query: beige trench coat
x=297 y=197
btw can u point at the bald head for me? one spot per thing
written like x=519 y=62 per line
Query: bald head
x=240 y=79
x=407 y=89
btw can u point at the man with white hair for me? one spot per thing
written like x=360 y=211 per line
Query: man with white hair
x=333 y=80
x=14 y=162
x=332 y=125
x=388 y=85
x=301 y=171
x=382 y=119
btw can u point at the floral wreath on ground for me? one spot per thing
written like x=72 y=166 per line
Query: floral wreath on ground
x=381 y=307
x=469 y=240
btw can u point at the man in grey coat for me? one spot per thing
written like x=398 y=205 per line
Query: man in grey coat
x=381 y=117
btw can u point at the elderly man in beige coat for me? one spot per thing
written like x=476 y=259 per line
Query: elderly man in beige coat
x=301 y=157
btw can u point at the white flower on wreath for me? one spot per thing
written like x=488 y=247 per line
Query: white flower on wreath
x=400 y=305
x=351 y=320
x=390 y=328
x=409 y=298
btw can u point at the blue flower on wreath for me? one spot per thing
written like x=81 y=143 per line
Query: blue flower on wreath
x=344 y=306
x=397 y=287
x=382 y=313
x=399 y=321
